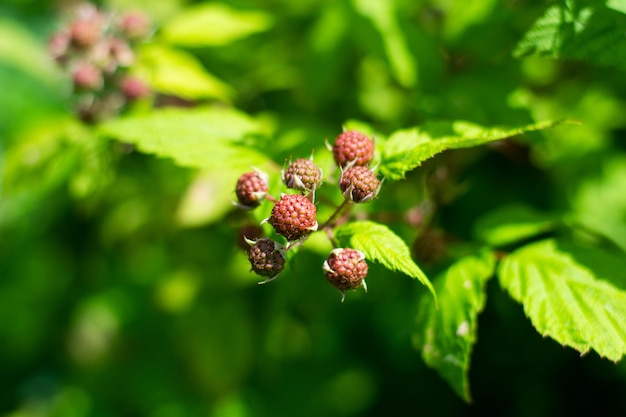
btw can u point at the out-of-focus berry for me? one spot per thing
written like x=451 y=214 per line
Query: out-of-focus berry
x=58 y=45
x=133 y=88
x=135 y=25
x=86 y=32
x=87 y=77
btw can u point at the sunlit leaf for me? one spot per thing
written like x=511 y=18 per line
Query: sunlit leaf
x=407 y=149
x=199 y=138
x=381 y=244
x=446 y=335
x=179 y=73
x=209 y=196
x=575 y=296
x=213 y=24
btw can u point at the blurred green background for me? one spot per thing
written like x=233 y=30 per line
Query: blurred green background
x=123 y=291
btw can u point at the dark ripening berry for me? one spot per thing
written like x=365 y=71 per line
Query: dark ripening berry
x=346 y=269
x=359 y=184
x=353 y=147
x=293 y=216
x=251 y=189
x=267 y=258
x=302 y=175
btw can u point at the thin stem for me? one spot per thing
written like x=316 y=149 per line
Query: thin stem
x=331 y=236
x=342 y=207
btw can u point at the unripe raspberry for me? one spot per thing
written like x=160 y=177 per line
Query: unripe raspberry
x=293 y=216
x=346 y=269
x=87 y=77
x=353 y=147
x=267 y=258
x=58 y=45
x=86 y=32
x=359 y=184
x=251 y=189
x=121 y=54
x=302 y=175
x=133 y=88
x=134 y=25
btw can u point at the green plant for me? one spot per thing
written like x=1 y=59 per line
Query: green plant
x=495 y=180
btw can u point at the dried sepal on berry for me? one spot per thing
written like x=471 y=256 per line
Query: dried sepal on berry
x=352 y=147
x=267 y=258
x=302 y=175
x=359 y=184
x=293 y=216
x=346 y=269
x=251 y=189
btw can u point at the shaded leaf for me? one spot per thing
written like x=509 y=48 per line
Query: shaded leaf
x=381 y=244
x=384 y=18
x=575 y=296
x=407 y=149
x=593 y=33
x=213 y=24
x=510 y=224
x=446 y=335
x=198 y=138
x=599 y=202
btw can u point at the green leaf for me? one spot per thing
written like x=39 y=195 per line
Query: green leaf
x=178 y=73
x=384 y=18
x=619 y=5
x=213 y=25
x=447 y=334
x=593 y=33
x=209 y=196
x=407 y=149
x=599 y=202
x=382 y=245
x=23 y=51
x=510 y=224
x=460 y=16
x=198 y=138
x=575 y=296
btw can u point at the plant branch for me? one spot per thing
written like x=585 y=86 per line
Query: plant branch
x=347 y=204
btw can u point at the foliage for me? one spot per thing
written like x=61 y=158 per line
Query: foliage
x=499 y=133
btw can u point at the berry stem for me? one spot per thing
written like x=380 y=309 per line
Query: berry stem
x=347 y=204
x=331 y=237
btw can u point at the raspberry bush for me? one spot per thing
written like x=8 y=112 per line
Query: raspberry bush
x=158 y=160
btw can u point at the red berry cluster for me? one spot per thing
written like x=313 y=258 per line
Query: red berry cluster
x=96 y=49
x=294 y=216
x=353 y=152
